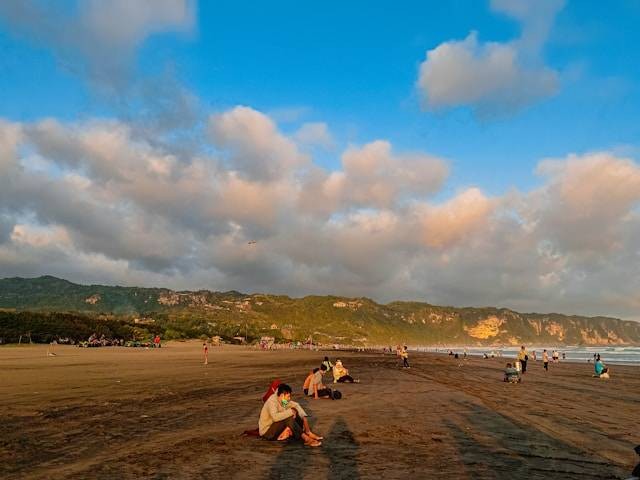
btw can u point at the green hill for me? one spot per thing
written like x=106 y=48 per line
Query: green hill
x=327 y=319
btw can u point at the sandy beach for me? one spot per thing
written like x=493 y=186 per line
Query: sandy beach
x=136 y=413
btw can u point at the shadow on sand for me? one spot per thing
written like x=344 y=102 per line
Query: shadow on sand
x=492 y=446
x=339 y=447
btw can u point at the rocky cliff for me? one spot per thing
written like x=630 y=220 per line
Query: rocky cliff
x=327 y=319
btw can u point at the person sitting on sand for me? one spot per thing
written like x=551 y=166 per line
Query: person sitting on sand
x=341 y=374
x=281 y=419
x=307 y=381
x=316 y=388
x=511 y=374
x=327 y=363
x=601 y=371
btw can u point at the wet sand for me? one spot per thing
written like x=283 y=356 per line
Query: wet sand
x=136 y=413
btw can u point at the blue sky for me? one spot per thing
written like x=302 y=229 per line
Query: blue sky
x=470 y=116
x=354 y=66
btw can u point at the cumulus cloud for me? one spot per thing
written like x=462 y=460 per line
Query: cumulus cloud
x=94 y=38
x=256 y=148
x=493 y=77
x=593 y=198
x=457 y=220
x=93 y=202
x=374 y=176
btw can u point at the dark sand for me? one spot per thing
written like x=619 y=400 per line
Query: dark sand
x=136 y=413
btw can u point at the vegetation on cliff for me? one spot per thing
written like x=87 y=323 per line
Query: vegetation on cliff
x=326 y=319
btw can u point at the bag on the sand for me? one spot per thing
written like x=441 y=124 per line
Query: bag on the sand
x=336 y=395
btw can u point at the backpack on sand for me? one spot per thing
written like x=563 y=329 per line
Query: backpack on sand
x=336 y=395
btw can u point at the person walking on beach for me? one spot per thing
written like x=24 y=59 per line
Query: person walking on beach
x=523 y=357
x=405 y=357
x=205 y=351
x=545 y=360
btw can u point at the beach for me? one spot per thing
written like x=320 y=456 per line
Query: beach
x=116 y=412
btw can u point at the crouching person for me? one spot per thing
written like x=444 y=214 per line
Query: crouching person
x=282 y=419
x=600 y=370
x=511 y=374
x=316 y=388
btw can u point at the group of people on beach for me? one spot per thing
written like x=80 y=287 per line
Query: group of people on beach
x=281 y=418
x=313 y=386
x=513 y=371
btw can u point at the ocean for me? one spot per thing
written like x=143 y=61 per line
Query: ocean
x=609 y=354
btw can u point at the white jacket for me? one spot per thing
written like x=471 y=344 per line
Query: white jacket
x=273 y=411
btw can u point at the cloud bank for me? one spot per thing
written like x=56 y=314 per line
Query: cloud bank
x=92 y=202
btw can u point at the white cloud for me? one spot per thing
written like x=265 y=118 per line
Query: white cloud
x=457 y=221
x=536 y=17
x=374 y=176
x=593 y=198
x=98 y=39
x=257 y=149
x=486 y=76
x=125 y=24
x=492 y=77
x=315 y=133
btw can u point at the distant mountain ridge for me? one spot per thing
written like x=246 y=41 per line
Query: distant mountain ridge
x=326 y=319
